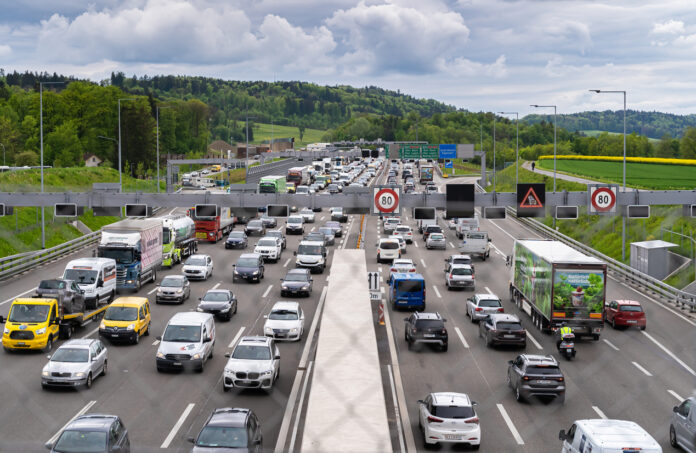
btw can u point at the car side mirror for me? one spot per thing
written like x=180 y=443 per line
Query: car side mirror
x=49 y=358
x=510 y=362
x=294 y=253
x=675 y=409
x=277 y=357
x=228 y=355
x=489 y=240
x=265 y=316
x=191 y=439
x=2 y=320
x=94 y=358
x=48 y=445
x=474 y=403
x=562 y=435
x=100 y=284
x=207 y=340
x=234 y=265
x=158 y=338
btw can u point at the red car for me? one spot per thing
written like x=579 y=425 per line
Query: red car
x=626 y=313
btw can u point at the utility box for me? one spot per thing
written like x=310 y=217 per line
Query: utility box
x=652 y=258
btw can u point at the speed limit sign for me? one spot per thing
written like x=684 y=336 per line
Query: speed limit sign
x=386 y=200
x=602 y=199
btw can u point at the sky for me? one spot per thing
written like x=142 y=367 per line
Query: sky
x=479 y=55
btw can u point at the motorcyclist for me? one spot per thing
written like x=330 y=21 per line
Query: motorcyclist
x=562 y=333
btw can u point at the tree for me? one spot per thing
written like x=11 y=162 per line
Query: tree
x=301 y=127
x=63 y=147
x=687 y=146
x=28 y=158
x=665 y=147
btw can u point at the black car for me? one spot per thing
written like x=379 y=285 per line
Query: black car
x=278 y=235
x=94 y=433
x=426 y=328
x=296 y=281
x=255 y=227
x=249 y=267
x=269 y=222
x=229 y=429
x=502 y=328
x=236 y=240
x=219 y=302
x=338 y=215
x=536 y=375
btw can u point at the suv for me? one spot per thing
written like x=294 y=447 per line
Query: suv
x=390 y=224
x=254 y=363
x=295 y=225
x=278 y=235
x=270 y=248
x=502 y=328
x=447 y=417
x=426 y=328
x=86 y=431
x=388 y=249
x=230 y=428
x=536 y=375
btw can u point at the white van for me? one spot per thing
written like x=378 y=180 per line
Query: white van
x=96 y=276
x=475 y=243
x=465 y=224
x=607 y=436
x=187 y=342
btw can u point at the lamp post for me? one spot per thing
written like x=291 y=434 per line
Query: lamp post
x=623 y=217
x=494 y=172
x=158 y=162
x=517 y=141
x=554 y=140
x=246 y=163
x=43 y=224
x=120 y=179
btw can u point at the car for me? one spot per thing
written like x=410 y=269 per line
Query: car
x=205 y=171
x=452 y=223
x=333 y=188
x=682 y=426
x=460 y=276
x=67 y=292
x=536 y=375
x=447 y=417
x=316 y=237
x=329 y=235
x=426 y=328
x=255 y=227
x=249 y=267
x=198 y=266
x=268 y=222
x=336 y=226
x=270 y=248
x=76 y=363
x=339 y=215
x=278 y=235
x=284 y=322
x=428 y=229
x=503 y=328
x=625 y=313
x=388 y=249
x=436 y=241
x=458 y=259
x=229 y=429
x=405 y=232
x=402 y=242
x=481 y=305
x=126 y=318
x=390 y=224
x=254 y=363
x=307 y=214
x=237 y=240
x=173 y=288
x=187 y=342
x=401 y=265
x=294 y=225
x=296 y=281
x=220 y=303
x=430 y=188
x=97 y=433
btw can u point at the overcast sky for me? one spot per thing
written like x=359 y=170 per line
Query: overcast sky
x=492 y=55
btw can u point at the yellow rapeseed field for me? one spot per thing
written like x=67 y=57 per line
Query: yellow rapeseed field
x=640 y=160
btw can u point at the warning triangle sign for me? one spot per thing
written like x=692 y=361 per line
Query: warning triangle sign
x=531 y=200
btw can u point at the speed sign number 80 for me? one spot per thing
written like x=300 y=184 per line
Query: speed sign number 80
x=386 y=200
x=603 y=199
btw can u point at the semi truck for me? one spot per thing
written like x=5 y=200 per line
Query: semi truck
x=426 y=173
x=178 y=239
x=298 y=175
x=212 y=229
x=136 y=246
x=557 y=285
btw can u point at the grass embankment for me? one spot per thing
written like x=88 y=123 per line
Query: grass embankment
x=262 y=132
x=597 y=133
x=461 y=169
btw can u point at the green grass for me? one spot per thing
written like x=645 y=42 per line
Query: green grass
x=262 y=132
x=462 y=169
x=639 y=175
x=682 y=278
x=505 y=181
x=596 y=133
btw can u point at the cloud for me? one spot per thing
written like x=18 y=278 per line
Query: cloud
x=670 y=27
x=5 y=50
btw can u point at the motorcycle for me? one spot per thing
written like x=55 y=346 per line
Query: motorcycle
x=566 y=345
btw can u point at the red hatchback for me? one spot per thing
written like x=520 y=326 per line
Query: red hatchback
x=626 y=313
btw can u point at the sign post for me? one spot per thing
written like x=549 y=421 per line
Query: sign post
x=602 y=199
x=386 y=200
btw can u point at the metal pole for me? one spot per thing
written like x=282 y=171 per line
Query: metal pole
x=246 y=163
x=158 y=159
x=494 y=174
x=120 y=178
x=554 y=148
x=43 y=225
x=517 y=147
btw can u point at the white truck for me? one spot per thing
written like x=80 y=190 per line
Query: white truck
x=136 y=246
x=465 y=224
x=475 y=243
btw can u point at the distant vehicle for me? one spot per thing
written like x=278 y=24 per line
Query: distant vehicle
x=229 y=429
x=284 y=322
x=536 y=375
x=269 y=222
x=270 y=248
x=426 y=173
x=254 y=363
x=220 y=303
x=178 y=239
x=607 y=436
x=339 y=215
x=336 y=226
x=76 y=363
x=316 y=236
x=127 y=318
x=428 y=229
x=502 y=328
x=449 y=418
x=278 y=235
x=402 y=242
x=436 y=241
x=428 y=328
x=307 y=214
x=390 y=224
x=311 y=255
x=329 y=235
x=405 y=232
x=682 y=426
x=625 y=313
x=401 y=265
x=95 y=276
x=273 y=184
x=298 y=175
x=83 y=432
x=213 y=228
x=475 y=243
x=465 y=224
x=457 y=259
x=388 y=249
x=294 y=225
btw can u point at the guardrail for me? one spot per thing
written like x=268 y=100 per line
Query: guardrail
x=671 y=294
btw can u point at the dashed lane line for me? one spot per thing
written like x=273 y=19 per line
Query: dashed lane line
x=177 y=426
x=152 y=290
x=511 y=426
x=268 y=290
x=286 y=263
x=536 y=343
x=236 y=337
x=461 y=337
x=643 y=370
x=676 y=395
x=437 y=292
x=611 y=345
x=82 y=411
x=599 y=412
x=670 y=353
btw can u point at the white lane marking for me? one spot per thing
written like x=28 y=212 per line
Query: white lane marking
x=18 y=295
x=399 y=428
x=670 y=353
x=216 y=286
x=152 y=290
x=488 y=289
x=451 y=245
x=313 y=228
x=611 y=345
x=599 y=412
x=497 y=250
x=676 y=395
x=423 y=263
x=286 y=263
x=236 y=337
x=155 y=343
x=536 y=343
x=322 y=217
x=268 y=290
x=312 y=329
x=90 y=333
x=437 y=292
x=82 y=411
x=172 y=211
x=415 y=243
x=299 y=409
x=645 y=372
x=177 y=426
x=510 y=425
x=283 y=434
x=461 y=337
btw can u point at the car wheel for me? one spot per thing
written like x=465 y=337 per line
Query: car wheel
x=112 y=296
x=473 y=321
x=613 y=323
x=136 y=339
x=476 y=447
x=642 y=327
x=518 y=395
x=673 y=437
x=443 y=348
x=508 y=380
x=147 y=331
x=104 y=369
x=561 y=399
x=235 y=308
x=88 y=383
x=49 y=345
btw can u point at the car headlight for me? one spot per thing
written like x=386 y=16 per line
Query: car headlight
x=102 y=325
x=6 y=330
x=129 y=281
x=228 y=371
x=256 y=273
x=199 y=309
x=268 y=330
x=179 y=291
x=130 y=327
x=305 y=288
x=236 y=272
x=267 y=373
x=41 y=331
x=45 y=374
x=284 y=287
x=196 y=356
x=79 y=374
x=294 y=330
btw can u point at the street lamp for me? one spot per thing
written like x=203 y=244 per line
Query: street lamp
x=494 y=173
x=623 y=229
x=120 y=179
x=43 y=224
x=246 y=163
x=517 y=145
x=158 y=162
x=554 y=140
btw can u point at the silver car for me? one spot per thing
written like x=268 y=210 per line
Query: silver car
x=254 y=363
x=76 y=363
x=682 y=427
x=436 y=241
x=459 y=276
x=481 y=305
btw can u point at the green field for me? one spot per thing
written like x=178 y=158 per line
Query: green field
x=262 y=132
x=462 y=169
x=642 y=176
x=505 y=180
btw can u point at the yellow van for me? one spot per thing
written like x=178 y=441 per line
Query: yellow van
x=33 y=323
x=126 y=319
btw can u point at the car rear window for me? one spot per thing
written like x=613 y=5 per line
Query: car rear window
x=633 y=308
x=461 y=271
x=453 y=411
x=51 y=284
x=545 y=370
x=410 y=286
x=489 y=303
x=389 y=245
x=430 y=324
x=509 y=326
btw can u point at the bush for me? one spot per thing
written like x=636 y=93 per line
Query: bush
x=27 y=158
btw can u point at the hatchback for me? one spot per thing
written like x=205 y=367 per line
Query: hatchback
x=436 y=241
x=297 y=281
x=481 y=305
x=173 y=288
x=682 y=427
x=460 y=276
x=236 y=239
x=229 y=429
x=536 y=375
x=625 y=313
x=221 y=303
x=269 y=222
x=95 y=433
x=502 y=328
x=255 y=227
x=249 y=266
x=447 y=417
x=405 y=232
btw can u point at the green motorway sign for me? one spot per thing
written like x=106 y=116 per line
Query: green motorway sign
x=430 y=151
x=409 y=151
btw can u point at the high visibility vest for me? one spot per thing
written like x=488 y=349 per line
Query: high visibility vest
x=566 y=331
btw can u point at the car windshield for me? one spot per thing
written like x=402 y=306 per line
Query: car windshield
x=216 y=296
x=434 y=229
x=114 y=313
x=489 y=303
x=247 y=352
x=28 y=313
x=222 y=437
x=78 y=441
x=326 y=231
x=296 y=277
x=545 y=370
x=333 y=225
x=509 y=326
x=453 y=411
x=307 y=211
x=247 y=262
x=72 y=355
x=255 y=224
x=81 y=275
x=391 y=245
x=461 y=261
x=461 y=271
x=633 y=308
x=237 y=235
x=172 y=282
x=284 y=315
x=266 y=243
x=410 y=286
x=294 y=219
x=52 y=284
x=403 y=229
x=183 y=334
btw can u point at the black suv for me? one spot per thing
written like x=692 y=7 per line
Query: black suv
x=229 y=429
x=426 y=328
x=502 y=328
x=536 y=375
x=93 y=432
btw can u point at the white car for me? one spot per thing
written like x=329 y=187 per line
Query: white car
x=308 y=215
x=254 y=363
x=74 y=364
x=401 y=265
x=198 y=267
x=402 y=242
x=436 y=240
x=479 y=306
x=284 y=322
x=391 y=223
x=448 y=417
x=405 y=232
x=388 y=249
x=270 y=248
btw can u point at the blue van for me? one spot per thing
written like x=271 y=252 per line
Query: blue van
x=407 y=290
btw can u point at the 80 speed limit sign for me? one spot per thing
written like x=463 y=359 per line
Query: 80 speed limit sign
x=602 y=199
x=386 y=200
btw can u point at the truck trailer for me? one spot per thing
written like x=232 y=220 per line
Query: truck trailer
x=556 y=284
x=426 y=173
x=178 y=239
x=212 y=229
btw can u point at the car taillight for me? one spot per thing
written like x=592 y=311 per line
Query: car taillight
x=478 y=309
x=444 y=331
x=412 y=270
x=393 y=269
x=450 y=276
x=474 y=420
x=560 y=379
x=501 y=310
x=432 y=419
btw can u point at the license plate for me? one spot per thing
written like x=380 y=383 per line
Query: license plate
x=452 y=437
x=176 y=363
x=21 y=343
x=114 y=335
x=543 y=382
x=201 y=235
x=631 y=321
x=508 y=336
x=429 y=335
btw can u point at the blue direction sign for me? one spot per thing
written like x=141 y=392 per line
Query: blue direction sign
x=448 y=152
x=448 y=164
